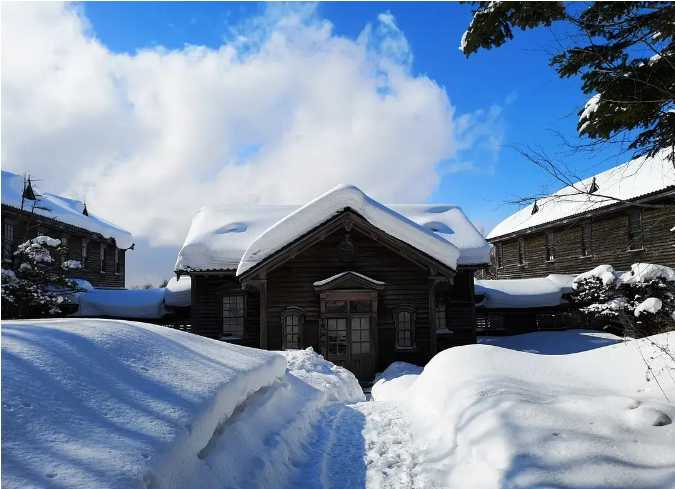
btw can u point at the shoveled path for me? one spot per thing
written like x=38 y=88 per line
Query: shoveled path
x=367 y=444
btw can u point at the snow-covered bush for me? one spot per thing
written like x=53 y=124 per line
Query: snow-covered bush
x=640 y=302
x=38 y=287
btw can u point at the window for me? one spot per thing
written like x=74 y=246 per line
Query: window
x=499 y=251
x=336 y=336
x=440 y=317
x=7 y=241
x=118 y=261
x=635 y=241
x=405 y=328
x=292 y=319
x=521 y=251
x=101 y=256
x=233 y=316
x=360 y=335
x=586 y=239
x=550 y=247
x=83 y=252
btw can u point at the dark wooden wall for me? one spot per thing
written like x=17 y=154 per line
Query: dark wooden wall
x=291 y=284
x=26 y=227
x=609 y=244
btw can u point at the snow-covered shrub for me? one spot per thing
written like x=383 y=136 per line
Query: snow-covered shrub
x=38 y=287
x=640 y=302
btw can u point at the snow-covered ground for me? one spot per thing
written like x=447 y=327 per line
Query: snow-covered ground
x=117 y=404
x=568 y=409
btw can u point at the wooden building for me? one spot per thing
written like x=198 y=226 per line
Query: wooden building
x=98 y=245
x=622 y=216
x=362 y=283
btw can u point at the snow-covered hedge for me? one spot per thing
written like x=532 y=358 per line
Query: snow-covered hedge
x=641 y=302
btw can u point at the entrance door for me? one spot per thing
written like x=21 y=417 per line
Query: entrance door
x=348 y=336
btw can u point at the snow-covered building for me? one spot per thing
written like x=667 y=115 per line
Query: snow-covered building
x=621 y=216
x=97 y=245
x=363 y=283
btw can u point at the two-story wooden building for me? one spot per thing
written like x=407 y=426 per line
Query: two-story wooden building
x=363 y=283
x=619 y=217
x=98 y=245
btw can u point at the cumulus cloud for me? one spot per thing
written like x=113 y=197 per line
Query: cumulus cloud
x=283 y=110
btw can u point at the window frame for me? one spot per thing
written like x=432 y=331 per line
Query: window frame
x=289 y=312
x=242 y=317
x=640 y=235
x=397 y=327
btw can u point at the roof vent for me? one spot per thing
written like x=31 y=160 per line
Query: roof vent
x=85 y=211
x=535 y=208
x=594 y=187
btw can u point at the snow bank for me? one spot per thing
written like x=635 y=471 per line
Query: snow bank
x=396 y=379
x=178 y=292
x=522 y=293
x=219 y=236
x=62 y=209
x=122 y=303
x=630 y=180
x=503 y=418
x=117 y=404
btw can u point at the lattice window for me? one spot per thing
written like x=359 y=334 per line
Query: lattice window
x=550 y=247
x=336 y=336
x=7 y=241
x=292 y=320
x=441 y=319
x=360 y=335
x=233 y=316
x=586 y=239
x=405 y=328
x=635 y=234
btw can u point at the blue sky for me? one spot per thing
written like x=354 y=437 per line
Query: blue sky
x=163 y=107
x=536 y=104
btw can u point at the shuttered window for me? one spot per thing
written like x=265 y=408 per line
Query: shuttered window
x=635 y=238
x=233 y=316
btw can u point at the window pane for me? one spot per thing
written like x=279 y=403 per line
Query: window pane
x=233 y=315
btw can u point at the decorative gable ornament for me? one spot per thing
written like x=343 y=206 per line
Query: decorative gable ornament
x=594 y=187
x=85 y=211
x=28 y=192
x=535 y=208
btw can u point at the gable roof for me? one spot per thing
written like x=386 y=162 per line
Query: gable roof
x=219 y=236
x=62 y=209
x=634 y=179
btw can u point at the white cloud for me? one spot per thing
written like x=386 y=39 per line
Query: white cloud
x=282 y=111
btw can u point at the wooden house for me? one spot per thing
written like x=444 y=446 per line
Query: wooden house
x=99 y=246
x=360 y=282
x=622 y=216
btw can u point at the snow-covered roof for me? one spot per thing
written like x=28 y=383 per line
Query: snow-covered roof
x=178 y=292
x=637 y=178
x=219 y=236
x=524 y=293
x=62 y=209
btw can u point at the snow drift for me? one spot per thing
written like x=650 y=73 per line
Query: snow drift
x=490 y=417
x=117 y=404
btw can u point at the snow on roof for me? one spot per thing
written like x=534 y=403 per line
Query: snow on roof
x=62 y=209
x=178 y=291
x=334 y=201
x=218 y=237
x=524 y=293
x=636 y=178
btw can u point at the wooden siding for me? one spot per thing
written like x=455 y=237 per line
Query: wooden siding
x=609 y=244
x=26 y=226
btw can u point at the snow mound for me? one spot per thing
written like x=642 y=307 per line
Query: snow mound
x=503 y=418
x=122 y=303
x=117 y=404
x=651 y=305
x=334 y=201
x=638 y=177
x=522 y=293
x=62 y=209
x=603 y=272
x=178 y=292
x=646 y=272
x=337 y=382
x=396 y=378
